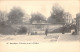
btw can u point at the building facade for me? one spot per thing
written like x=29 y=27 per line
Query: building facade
x=68 y=18
x=78 y=23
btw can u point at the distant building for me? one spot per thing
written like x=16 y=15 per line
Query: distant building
x=74 y=21
x=68 y=18
x=78 y=23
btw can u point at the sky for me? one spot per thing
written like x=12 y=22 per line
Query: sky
x=42 y=6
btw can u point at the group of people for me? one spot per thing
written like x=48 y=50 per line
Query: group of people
x=46 y=32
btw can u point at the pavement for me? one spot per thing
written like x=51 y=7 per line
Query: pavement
x=68 y=37
x=16 y=43
x=41 y=38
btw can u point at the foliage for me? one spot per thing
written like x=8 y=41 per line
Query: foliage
x=22 y=30
x=56 y=15
x=37 y=17
x=15 y=16
x=3 y=18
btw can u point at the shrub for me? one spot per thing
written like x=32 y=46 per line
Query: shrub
x=22 y=30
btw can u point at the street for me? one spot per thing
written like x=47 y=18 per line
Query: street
x=40 y=38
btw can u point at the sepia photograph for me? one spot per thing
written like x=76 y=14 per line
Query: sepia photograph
x=35 y=22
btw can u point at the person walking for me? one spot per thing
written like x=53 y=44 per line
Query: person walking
x=46 y=32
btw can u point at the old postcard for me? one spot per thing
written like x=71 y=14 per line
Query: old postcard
x=39 y=26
